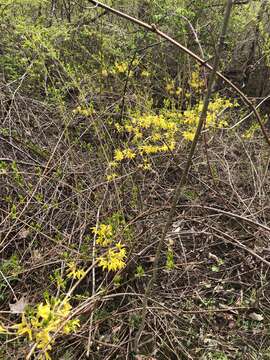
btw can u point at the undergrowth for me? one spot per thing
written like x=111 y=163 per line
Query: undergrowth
x=93 y=140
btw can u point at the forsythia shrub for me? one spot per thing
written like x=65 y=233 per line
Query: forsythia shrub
x=213 y=119
x=42 y=324
x=152 y=134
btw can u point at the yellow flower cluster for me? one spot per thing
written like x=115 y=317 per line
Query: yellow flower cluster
x=84 y=111
x=172 y=89
x=213 y=120
x=104 y=72
x=189 y=135
x=153 y=133
x=114 y=258
x=121 y=67
x=170 y=86
x=145 y=74
x=74 y=272
x=111 y=176
x=3 y=330
x=120 y=155
x=196 y=82
x=41 y=325
x=154 y=121
x=248 y=134
x=150 y=134
x=104 y=234
x=154 y=149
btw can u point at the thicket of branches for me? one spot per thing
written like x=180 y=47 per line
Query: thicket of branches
x=127 y=230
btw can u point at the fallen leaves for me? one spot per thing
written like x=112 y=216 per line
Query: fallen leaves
x=256 y=317
x=19 y=306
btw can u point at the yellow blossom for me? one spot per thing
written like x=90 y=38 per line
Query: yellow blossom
x=178 y=91
x=104 y=234
x=196 y=82
x=113 y=260
x=44 y=311
x=104 y=72
x=145 y=73
x=71 y=326
x=213 y=119
x=3 y=330
x=129 y=154
x=119 y=155
x=24 y=328
x=147 y=166
x=65 y=309
x=44 y=322
x=135 y=62
x=129 y=128
x=118 y=127
x=111 y=177
x=74 y=272
x=113 y=164
x=188 y=135
x=156 y=137
x=170 y=86
x=44 y=340
x=121 y=67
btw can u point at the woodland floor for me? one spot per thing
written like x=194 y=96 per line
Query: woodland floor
x=214 y=304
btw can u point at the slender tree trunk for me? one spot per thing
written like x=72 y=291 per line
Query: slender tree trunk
x=178 y=191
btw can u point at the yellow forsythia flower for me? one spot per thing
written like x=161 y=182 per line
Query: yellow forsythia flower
x=44 y=322
x=71 y=326
x=44 y=339
x=104 y=72
x=44 y=311
x=118 y=155
x=111 y=177
x=74 y=272
x=121 y=67
x=104 y=234
x=196 y=82
x=24 y=328
x=188 y=135
x=113 y=259
x=129 y=154
x=145 y=73
x=65 y=309
x=2 y=330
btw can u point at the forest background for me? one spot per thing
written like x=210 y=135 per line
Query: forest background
x=98 y=118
